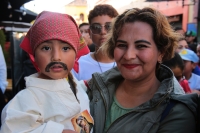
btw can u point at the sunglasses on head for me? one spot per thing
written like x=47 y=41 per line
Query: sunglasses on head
x=96 y=28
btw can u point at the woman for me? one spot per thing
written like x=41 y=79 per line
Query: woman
x=182 y=44
x=132 y=97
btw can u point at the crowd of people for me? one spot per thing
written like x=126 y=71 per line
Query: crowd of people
x=129 y=72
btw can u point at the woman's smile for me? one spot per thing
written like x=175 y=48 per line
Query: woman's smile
x=130 y=66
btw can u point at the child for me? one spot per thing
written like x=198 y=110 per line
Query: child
x=100 y=19
x=190 y=61
x=182 y=44
x=176 y=64
x=52 y=97
x=198 y=53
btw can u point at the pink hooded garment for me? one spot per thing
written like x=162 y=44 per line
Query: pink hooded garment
x=51 y=25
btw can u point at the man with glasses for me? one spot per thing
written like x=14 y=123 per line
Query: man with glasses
x=100 y=19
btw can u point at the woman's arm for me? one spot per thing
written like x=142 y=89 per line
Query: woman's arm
x=180 y=120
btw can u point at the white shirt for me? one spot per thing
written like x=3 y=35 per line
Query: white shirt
x=3 y=72
x=194 y=82
x=45 y=106
x=88 y=66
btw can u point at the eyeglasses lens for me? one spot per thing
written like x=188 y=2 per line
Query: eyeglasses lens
x=96 y=28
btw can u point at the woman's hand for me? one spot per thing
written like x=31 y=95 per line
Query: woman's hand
x=68 y=131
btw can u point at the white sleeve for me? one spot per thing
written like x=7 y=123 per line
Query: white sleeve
x=3 y=72
x=23 y=114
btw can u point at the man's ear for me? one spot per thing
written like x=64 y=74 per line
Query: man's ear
x=89 y=31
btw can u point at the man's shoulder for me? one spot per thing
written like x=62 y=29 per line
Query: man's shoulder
x=195 y=77
x=85 y=57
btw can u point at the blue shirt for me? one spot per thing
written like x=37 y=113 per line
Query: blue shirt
x=194 y=82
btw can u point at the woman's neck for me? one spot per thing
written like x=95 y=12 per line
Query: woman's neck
x=131 y=94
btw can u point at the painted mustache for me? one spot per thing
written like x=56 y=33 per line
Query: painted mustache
x=47 y=69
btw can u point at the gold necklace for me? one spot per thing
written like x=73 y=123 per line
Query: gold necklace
x=99 y=64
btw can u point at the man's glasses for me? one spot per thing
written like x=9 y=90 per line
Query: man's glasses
x=96 y=27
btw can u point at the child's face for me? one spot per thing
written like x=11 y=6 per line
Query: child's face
x=58 y=52
x=188 y=67
x=178 y=73
x=198 y=51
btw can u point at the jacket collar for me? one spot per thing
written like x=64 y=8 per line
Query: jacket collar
x=109 y=80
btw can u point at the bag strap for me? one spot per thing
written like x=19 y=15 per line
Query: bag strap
x=167 y=109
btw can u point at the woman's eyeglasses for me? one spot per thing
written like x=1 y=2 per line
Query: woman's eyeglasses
x=96 y=27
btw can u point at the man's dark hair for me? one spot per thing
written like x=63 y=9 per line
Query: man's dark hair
x=176 y=61
x=82 y=24
x=178 y=28
x=102 y=9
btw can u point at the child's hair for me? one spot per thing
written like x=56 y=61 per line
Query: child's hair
x=82 y=24
x=176 y=61
x=73 y=84
x=102 y=9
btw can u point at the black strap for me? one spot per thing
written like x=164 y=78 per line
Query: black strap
x=167 y=109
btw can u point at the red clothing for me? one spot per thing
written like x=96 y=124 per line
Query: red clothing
x=185 y=85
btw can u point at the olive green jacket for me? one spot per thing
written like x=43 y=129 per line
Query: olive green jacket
x=146 y=117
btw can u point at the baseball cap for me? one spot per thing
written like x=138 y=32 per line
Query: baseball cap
x=189 y=55
x=190 y=33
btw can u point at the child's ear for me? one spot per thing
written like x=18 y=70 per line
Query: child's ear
x=194 y=65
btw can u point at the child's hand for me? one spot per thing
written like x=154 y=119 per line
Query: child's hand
x=68 y=131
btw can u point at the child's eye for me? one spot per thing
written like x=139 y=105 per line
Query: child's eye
x=45 y=48
x=66 y=48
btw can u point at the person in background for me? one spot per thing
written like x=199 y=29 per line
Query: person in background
x=3 y=72
x=100 y=19
x=198 y=53
x=84 y=28
x=190 y=37
x=132 y=97
x=190 y=61
x=176 y=64
x=52 y=96
x=179 y=30
x=182 y=44
x=3 y=80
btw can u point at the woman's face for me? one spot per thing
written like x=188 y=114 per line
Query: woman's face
x=135 y=52
x=181 y=45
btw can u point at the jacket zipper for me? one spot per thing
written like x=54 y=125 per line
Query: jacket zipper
x=139 y=111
